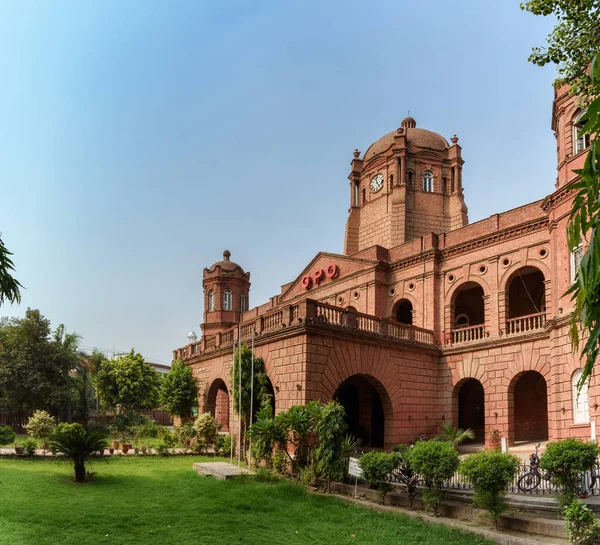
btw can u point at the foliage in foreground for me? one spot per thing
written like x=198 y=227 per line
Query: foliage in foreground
x=377 y=468
x=9 y=285
x=566 y=460
x=454 y=435
x=581 y=523
x=78 y=446
x=490 y=473
x=436 y=462
x=7 y=435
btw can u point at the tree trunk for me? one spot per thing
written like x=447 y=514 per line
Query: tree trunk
x=79 y=472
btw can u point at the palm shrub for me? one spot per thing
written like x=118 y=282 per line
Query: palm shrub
x=455 y=435
x=7 y=435
x=41 y=426
x=566 y=461
x=436 y=462
x=581 y=523
x=377 y=468
x=78 y=446
x=490 y=473
x=265 y=433
x=296 y=426
x=405 y=472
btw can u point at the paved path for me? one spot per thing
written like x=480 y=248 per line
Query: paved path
x=220 y=470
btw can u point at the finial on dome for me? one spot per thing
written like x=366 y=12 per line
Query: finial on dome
x=356 y=153
x=226 y=255
x=408 y=123
x=454 y=139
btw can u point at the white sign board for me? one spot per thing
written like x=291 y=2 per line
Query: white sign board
x=353 y=467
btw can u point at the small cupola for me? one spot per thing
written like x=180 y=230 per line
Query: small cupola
x=408 y=123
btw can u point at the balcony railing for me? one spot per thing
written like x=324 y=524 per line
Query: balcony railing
x=314 y=314
x=468 y=334
x=525 y=324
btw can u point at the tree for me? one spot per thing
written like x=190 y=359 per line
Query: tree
x=574 y=46
x=331 y=427
x=179 y=391
x=9 y=286
x=128 y=382
x=77 y=446
x=41 y=426
x=34 y=367
x=377 y=468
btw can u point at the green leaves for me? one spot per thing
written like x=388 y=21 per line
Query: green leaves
x=179 y=390
x=9 y=286
x=129 y=382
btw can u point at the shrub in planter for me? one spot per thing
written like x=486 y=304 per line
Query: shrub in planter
x=436 y=462
x=581 y=523
x=7 y=435
x=377 y=470
x=566 y=461
x=490 y=472
x=41 y=426
x=29 y=446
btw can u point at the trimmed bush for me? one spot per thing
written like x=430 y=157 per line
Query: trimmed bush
x=29 y=446
x=566 y=461
x=7 y=435
x=436 y=462
x=581 y=523
x=41 y=426
x=206 y=430
x=490 y=473
x=377 y=470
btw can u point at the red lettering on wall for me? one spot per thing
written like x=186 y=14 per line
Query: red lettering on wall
x=306 y=282
x=317 y=276
x=331 y=272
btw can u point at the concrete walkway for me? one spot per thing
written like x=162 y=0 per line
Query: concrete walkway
x=220 y=470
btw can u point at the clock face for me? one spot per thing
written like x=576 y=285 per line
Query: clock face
x=376 y=183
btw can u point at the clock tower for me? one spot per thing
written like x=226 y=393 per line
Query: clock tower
x=407 y=184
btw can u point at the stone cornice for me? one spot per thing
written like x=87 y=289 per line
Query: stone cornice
x=539 y=224
x=558 y=197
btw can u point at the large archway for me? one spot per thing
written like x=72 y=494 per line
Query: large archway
x=468 y=306
x=363 y=399
x=528 y=407
x=471 y=408
x=526 y=292
x=218 y=403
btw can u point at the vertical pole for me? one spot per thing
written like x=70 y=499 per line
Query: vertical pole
x=593 y=430
x=240 y=393
x=232 y=398
x=251 y=400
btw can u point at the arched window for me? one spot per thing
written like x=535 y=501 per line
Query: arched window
x=242 y=303
x=461 y=320
x=581 y=408
x=581 y=141
x=211 y=300
x=227 y=300
x=428 y=181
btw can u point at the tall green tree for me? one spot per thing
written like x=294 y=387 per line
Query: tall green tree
x=34 y=367
x=10 y=287
x=574 y=46
x=179 y=391
x=129 y=383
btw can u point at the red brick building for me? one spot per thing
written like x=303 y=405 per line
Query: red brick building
x=424 y=317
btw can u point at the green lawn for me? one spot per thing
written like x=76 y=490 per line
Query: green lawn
x=163 y=501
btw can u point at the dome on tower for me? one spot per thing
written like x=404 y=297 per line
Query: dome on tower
x=225 y=264
x=421 y=138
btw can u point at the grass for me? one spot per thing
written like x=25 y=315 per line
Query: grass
x=162 y=500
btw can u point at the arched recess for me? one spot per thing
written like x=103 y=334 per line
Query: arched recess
x=528 y=407
x=269 y=390
x=368 y=407
x=469 y=398
x=467 y=304
x=525 y=292
x=218 y=403
x=403 y=312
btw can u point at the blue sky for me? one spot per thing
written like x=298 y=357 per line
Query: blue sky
x=140 y=139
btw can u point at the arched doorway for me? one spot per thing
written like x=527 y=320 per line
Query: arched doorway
x=218 y=403
x=403 y=312
x=529 y=396
x=526 y=293
x=471 y=408
x=361 y=397
x=265 y=385
x=468 y=306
